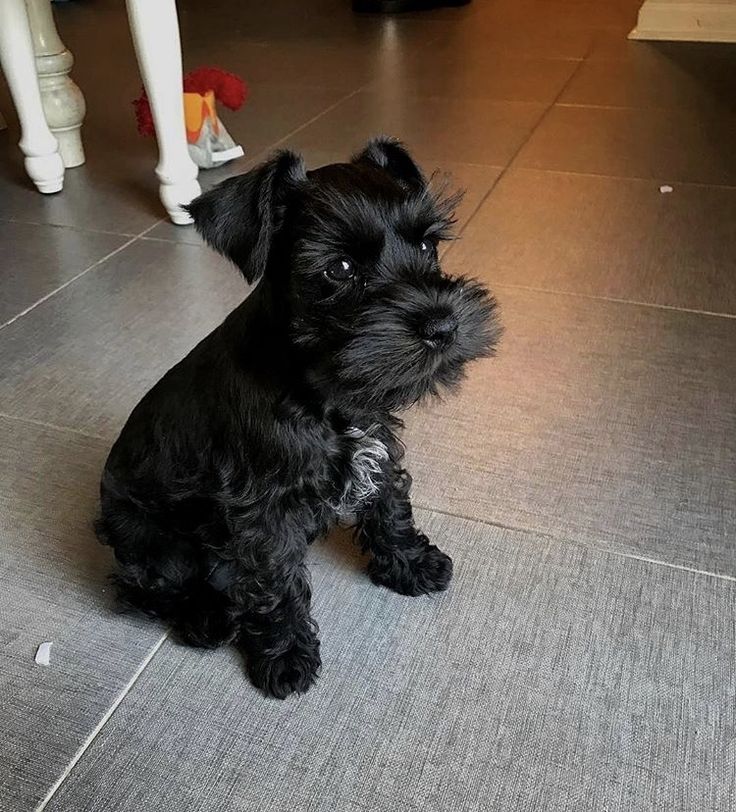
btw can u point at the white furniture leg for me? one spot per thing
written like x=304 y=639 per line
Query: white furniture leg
x=155 y=30
x=43 y=162
x=63 y=102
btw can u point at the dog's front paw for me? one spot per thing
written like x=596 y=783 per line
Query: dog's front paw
x=291 y=672
x=426 y=570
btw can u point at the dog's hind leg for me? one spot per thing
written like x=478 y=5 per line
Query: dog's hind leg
x=167 y=575
x=198 y=614
x=403 y=559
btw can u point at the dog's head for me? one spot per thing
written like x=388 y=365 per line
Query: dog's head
x=349 y=251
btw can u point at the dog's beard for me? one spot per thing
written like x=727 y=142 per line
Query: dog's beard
x=386 y=364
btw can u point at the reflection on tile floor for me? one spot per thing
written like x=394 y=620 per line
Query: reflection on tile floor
x=585 y=481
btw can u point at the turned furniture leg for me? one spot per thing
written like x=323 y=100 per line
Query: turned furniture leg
x=155 y=30
x=42 y=160
x=63 y=102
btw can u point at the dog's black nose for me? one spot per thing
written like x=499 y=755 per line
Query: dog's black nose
x=439 y=330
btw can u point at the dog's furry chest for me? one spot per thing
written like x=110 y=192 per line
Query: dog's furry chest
x=368 y=458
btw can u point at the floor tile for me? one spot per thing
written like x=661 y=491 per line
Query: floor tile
x=345 y=66
x=84 y=358
x=656 y=78
x=608 y=423
x=548 y=677
x=274 y=111
x=38 y=259
x=477 y=72
x=538 y=38
x=571 y=14
x=114 y=191
x=607 y=237
x=181 y=234
x=436 y=129
x=662 y=144
x=475 y=181
x=55 y=588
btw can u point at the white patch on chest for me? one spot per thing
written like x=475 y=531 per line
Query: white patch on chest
x=369 y=455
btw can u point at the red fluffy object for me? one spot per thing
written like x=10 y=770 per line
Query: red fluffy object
x=228 y=88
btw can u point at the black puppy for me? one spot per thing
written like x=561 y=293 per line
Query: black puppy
x=282 y=420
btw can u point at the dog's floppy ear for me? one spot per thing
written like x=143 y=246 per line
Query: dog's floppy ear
x=241 y=215
x=390 y=154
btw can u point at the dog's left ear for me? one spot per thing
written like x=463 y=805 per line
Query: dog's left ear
x=390 y=154
x=240 y=216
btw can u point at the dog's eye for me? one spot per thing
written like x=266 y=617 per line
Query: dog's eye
x=340 y=272
x=424 y=246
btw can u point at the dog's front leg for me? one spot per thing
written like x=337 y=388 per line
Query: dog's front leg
x=403 y=559
x=278 y=633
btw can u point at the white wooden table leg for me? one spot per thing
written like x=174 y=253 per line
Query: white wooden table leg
x=155 y=30
x=43 y=162
x=63 y=102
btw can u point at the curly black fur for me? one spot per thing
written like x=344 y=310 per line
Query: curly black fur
x=284 y=416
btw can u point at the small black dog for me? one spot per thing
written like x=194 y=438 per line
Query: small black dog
x=282 y=419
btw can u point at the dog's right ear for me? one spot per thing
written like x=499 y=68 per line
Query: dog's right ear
x=240 y=216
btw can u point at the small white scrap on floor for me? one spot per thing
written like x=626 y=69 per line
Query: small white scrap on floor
x=665 y=190
x=43 y=655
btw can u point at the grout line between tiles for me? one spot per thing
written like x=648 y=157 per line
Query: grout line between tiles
x=78 y=276
x=103 y=721
x=52 y=426
x=599 y=546
x=658 y=562
x=20 y=222
x=614 y=300
x=490 y=522
x=329 y=109
x=174 y=241
x=262 y=154
x=633 y=108
x=638 y=178
x=521 y=146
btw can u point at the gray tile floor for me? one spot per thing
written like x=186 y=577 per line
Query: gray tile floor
x=584 y=481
